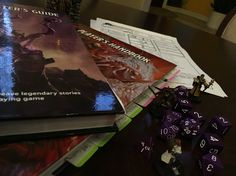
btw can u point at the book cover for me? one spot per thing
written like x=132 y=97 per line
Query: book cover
x=124 y=75
x=129 y=70
x=46 y=73
x=33 y=157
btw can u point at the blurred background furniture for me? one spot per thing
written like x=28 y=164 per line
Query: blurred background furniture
x=227 y=29
x=143 y=5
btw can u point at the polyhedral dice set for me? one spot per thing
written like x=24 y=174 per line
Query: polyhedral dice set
x=174 y=109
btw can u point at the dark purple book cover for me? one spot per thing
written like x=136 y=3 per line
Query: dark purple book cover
x=45 y=70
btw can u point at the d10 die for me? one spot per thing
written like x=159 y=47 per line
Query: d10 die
x=219 y=125
x=172 y=117
x=197 y=116
x=210 y=164
x=181 y=91
x=189 y=127
x=211 y=143
x=183 y=105
x=168 y=131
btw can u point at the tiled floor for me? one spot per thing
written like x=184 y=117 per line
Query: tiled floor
x=185 y=19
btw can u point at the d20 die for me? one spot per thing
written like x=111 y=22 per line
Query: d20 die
x=183 y=105
x=210 y=143
x=172 y=117
x=168 y=131
x=210 y=164
x=181 y=91
x=219 y=125
x=189 y=127
x=197 y=116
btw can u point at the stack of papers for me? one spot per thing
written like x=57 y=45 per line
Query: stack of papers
x=163 y=46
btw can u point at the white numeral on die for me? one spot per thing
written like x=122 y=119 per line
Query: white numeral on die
x=214 y=139
x=215 y=126
x=213 y=157
x=215 y=151
x=202 y=144
x=210 y=167
x=223 y=120
x=198 y=115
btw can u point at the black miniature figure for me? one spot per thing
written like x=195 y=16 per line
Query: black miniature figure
x=165 y=99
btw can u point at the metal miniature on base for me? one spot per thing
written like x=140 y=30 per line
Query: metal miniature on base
x=198 y=83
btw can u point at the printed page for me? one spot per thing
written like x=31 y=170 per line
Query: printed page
x=164 y=46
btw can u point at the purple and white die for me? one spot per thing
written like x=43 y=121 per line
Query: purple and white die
x=183 y=105
x=210 y=164
x=189 y=127
x=168 y=131
x=210 y=143
x=219 y=125
x=197 y=116
x=145 y=147
x=181 y=91
x=172 y=117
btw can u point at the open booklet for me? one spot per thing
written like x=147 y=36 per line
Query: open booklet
x=163 y=46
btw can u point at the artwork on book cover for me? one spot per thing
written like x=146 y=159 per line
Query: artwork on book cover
x=45 y=69
x=127 y=77
x=129 y=70
x=33 y=157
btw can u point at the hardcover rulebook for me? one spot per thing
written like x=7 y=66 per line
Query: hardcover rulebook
x=49 y=83
x=33 y=157
x=129 y=70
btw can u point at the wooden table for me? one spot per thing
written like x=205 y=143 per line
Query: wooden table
x=215 y=56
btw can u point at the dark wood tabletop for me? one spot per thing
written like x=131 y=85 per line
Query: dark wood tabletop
x=217 y=57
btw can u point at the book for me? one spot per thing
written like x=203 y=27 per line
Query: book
x=49 y=83
x=128 y=69
x=83 y=150
x=33 y=157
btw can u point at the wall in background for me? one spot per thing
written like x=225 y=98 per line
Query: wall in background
x=202 y=7
x=137 y=4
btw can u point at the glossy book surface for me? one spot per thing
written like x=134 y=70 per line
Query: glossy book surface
x=45 y=70
x=129 y=70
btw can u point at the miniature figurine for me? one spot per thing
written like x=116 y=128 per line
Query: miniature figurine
x=198 y=82
x=164 y=99
x=169 y=156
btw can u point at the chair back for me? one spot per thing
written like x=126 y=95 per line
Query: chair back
x=227 y=28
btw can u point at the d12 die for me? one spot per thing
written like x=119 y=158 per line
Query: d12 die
x=172 y=117
x=211 y=143
x=219 y=125
x=189 y=127
x=168 y=131
x=183 y=105
x=210 y=164
x=181 y=91
x=197 y=116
